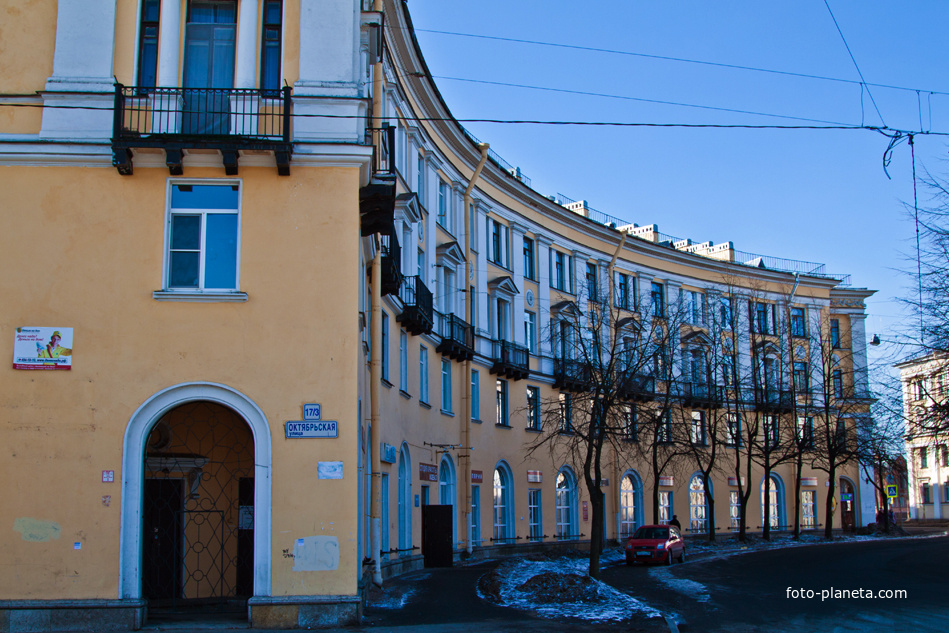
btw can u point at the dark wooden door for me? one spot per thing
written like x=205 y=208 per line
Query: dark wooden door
x=162 y=538
x=437 y=535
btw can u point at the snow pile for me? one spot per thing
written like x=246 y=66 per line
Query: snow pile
x=394 y=598
x=690 y=588
x=559 y=588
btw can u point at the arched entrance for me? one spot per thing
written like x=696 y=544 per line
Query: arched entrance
x=198 y=511
x=196 y=501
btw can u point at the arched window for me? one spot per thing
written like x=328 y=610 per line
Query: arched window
x=405 y=501
x=446 y=490
x=503 y=503
x=772 y=502
x=698 y=506
x=631 y=503
x=566 y=504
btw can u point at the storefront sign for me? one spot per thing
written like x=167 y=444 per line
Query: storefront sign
x=586 y=512
x=809 y=481
x=322 y=428
x=42 y=348
x=667 y=481
x=733 y=481
x=477 y=477
x=534 y=476
x=427 y=472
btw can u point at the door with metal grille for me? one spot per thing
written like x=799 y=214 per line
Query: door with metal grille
x=198 y=511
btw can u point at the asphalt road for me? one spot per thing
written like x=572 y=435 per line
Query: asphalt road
x=750 y=592
x=446 y=600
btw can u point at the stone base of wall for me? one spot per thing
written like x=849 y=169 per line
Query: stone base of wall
x=304 y=612
x=48 y=616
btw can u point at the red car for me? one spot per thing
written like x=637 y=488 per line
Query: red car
x=655 y=544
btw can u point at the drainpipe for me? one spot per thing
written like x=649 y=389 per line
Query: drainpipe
x=375 y=360
x=375 y=377
x=466 y=379
x=612 y=286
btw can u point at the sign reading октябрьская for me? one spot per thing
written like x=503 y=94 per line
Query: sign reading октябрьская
x=42 y=348
x=315 y=428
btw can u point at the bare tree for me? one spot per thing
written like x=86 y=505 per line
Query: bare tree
x=609 y=354
x=841 y=406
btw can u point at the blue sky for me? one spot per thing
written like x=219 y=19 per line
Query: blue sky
x=814 y=195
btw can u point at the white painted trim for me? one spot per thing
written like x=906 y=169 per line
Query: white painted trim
x=133 y=476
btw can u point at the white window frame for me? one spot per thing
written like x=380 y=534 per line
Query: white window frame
x=403 y=361
x=698 y=506
x=475 y=395
x=201 y=293
x=665 y=506
x=530 y=331
x=446 y=386
x=423 y=374
x=535 y=514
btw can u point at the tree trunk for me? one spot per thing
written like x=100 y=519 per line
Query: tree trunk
x=829 y=509
x=596 y=537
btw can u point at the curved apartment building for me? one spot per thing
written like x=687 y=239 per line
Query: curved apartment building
x=280 y=327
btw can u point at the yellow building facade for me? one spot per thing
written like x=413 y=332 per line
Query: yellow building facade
x=270 y=310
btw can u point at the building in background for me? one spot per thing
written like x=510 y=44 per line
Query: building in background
x=271 y=326
x=925 y=396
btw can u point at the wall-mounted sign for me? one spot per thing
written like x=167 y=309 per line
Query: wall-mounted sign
x=733 y=481
x=534 y=476
x=477 y=477
x=387 y=453
x=322 y=428
x=809 y=481
x=329 y=470
x=311 y=412
x=42 y=348
x=667 y=481
x=586 y=512
x=427 y=472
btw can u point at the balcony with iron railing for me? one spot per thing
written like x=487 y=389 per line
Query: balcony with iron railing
x=417 y=315
x=572 y=375
x=391 y=264
x=773 y=400
x=175 y=119
x=700 y=395
x=636 y=386
x=511 y=360
x=457 y=337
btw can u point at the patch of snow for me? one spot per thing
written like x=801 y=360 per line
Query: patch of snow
x=686 y=587
x=612 y=605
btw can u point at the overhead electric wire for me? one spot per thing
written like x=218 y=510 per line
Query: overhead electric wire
x=640 y=99
x=863 y=82
x=677 y=59
x=448 y=119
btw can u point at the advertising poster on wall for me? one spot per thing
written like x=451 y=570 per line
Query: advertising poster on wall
x=42 y=348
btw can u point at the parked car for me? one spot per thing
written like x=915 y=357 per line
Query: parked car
x=655 y=544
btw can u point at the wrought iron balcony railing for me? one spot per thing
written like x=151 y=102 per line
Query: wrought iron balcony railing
x=457 y=337
x=700 y=394
x=773 y=399
x=572 y=375
x=416 y=317
x=511 y=360
x=391 y=264
x=641 y=387
x=175 y=119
